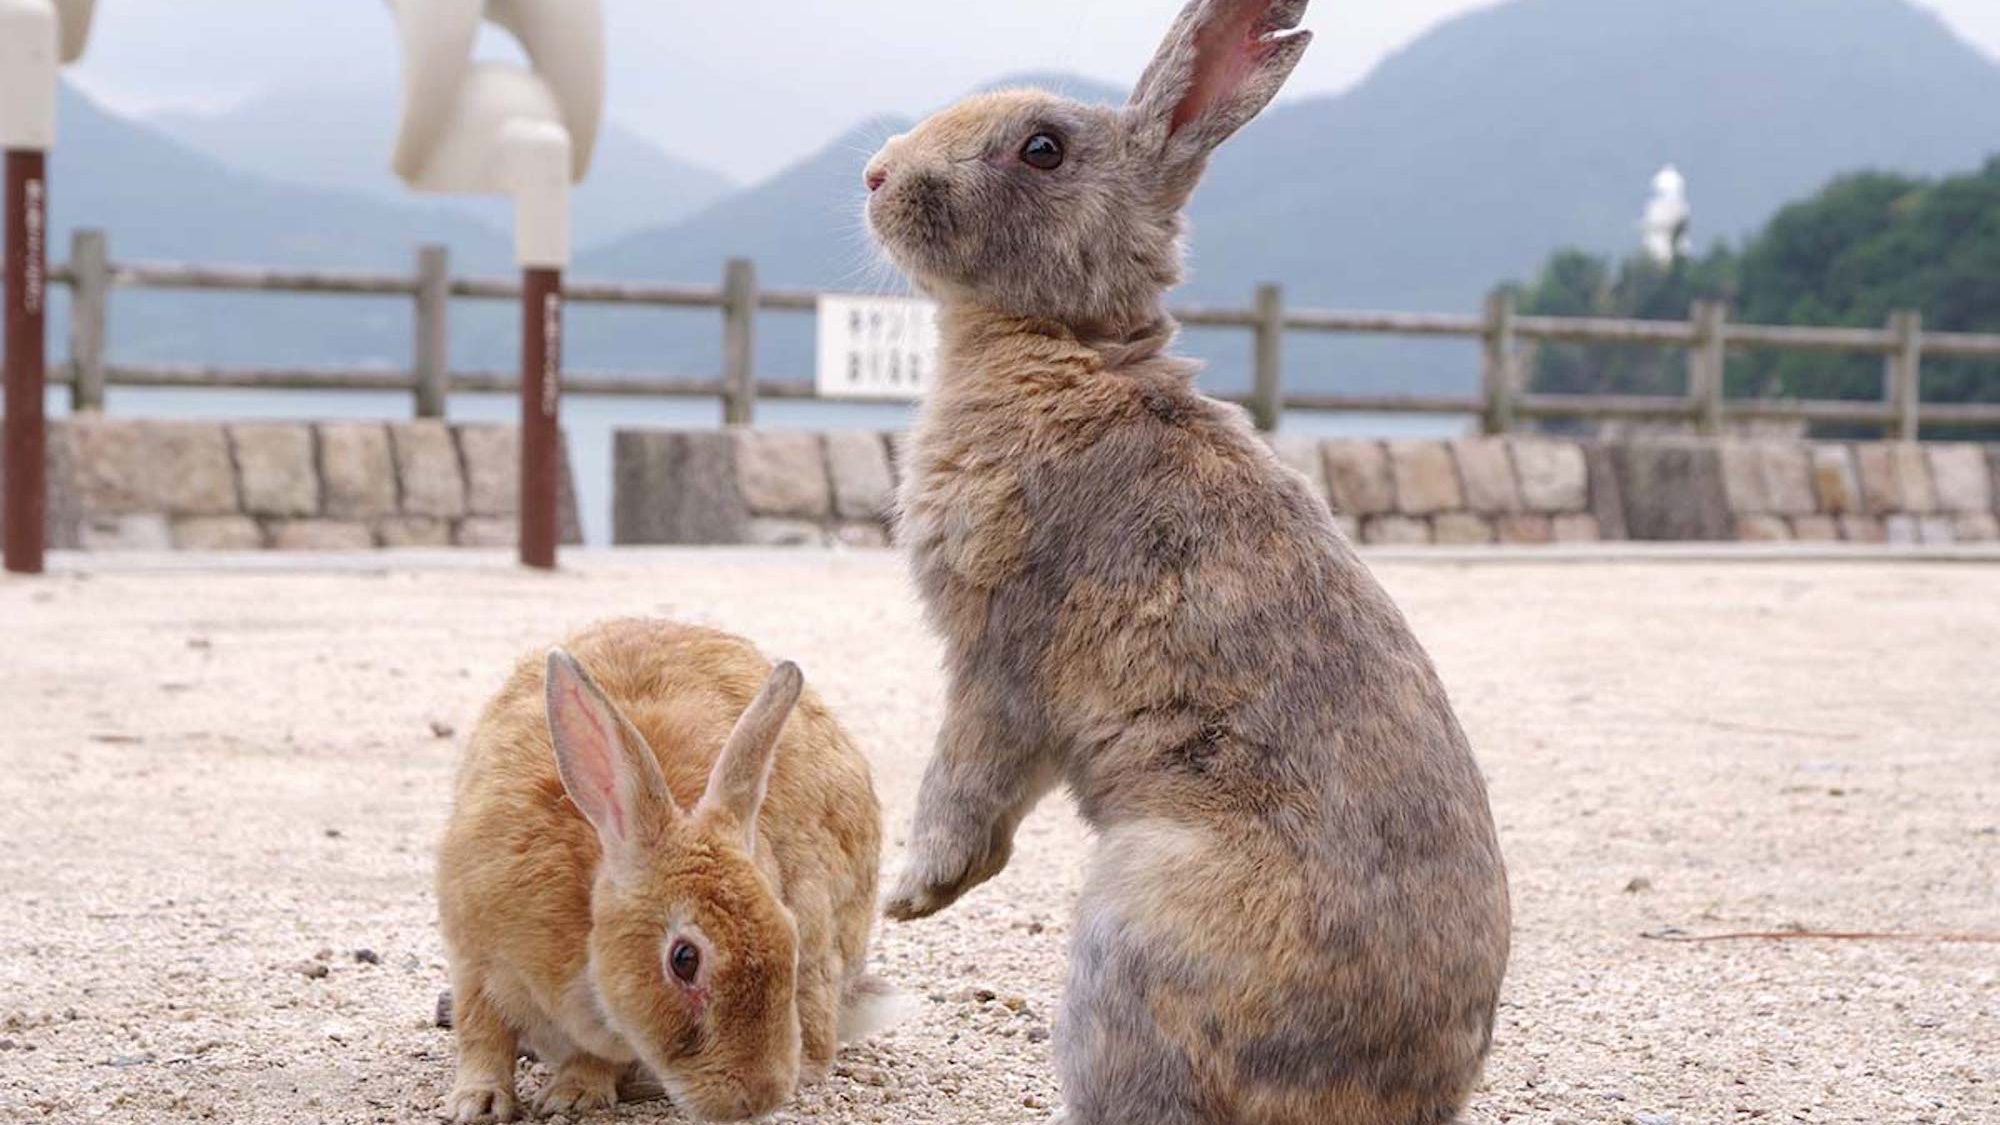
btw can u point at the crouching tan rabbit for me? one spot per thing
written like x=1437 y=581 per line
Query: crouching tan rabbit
x=657 y=868
x=1296 y=913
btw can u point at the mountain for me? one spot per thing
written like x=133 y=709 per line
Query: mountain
x=1461 y=162
x=796 y=225
x=802 y=227
x=1865 y=247
x=157 y=199
x=1510 y=131
x=340 y=136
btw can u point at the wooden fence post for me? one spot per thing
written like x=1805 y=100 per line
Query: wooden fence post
x=90 y=295
x=1905 y=374
x=1267 y=402
x=432 y=362
x=1708 y=364
x=739 y=339
x=1497 y=373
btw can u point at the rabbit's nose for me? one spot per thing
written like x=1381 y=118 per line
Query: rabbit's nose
x=875 y=177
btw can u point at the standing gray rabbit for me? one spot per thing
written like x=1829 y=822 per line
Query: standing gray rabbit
x=1297 y=911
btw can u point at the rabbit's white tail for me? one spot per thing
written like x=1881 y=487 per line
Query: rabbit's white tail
x=871 y=1006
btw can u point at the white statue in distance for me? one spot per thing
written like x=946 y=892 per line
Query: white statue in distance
x=1665 y=226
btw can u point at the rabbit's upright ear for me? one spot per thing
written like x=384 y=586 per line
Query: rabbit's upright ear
x=736 y=785
x=606 y=766
x=1221 y=64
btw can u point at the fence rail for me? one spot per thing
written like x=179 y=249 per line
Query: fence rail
x=1707 y=336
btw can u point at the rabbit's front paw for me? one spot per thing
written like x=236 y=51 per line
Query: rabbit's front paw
x=935 y=878
x=579 y=1086
x=481 y=1101
x=915 y=897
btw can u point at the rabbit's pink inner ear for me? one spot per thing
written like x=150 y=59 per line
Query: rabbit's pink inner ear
x=1227 y=51
x=588 y=741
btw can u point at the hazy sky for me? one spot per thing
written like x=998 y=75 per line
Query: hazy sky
x=750 y=85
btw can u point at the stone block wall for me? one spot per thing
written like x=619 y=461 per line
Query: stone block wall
x=139 y=484
x=134 y=484
x=1873 y=492
x=1472 y=490
x=767 y=487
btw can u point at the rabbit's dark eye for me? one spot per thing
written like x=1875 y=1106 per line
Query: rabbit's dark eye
x=685 y=960
x=1042 y=151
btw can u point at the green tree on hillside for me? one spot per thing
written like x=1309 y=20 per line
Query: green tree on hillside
x=1867 y=245
x=1577 y=284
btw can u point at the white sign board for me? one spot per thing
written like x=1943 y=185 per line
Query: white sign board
x=876 y=347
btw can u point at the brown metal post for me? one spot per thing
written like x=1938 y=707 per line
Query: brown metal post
x=541 y=399
x=26 y=439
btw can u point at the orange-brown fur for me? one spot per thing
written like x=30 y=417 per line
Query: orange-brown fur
x=526 y=910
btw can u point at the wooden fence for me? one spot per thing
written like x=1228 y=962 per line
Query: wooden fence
x=1707 y=336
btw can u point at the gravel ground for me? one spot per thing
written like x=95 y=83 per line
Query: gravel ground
x=219 y=794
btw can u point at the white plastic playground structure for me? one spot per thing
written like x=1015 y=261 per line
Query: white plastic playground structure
x=497 y=128
x=36 y=38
